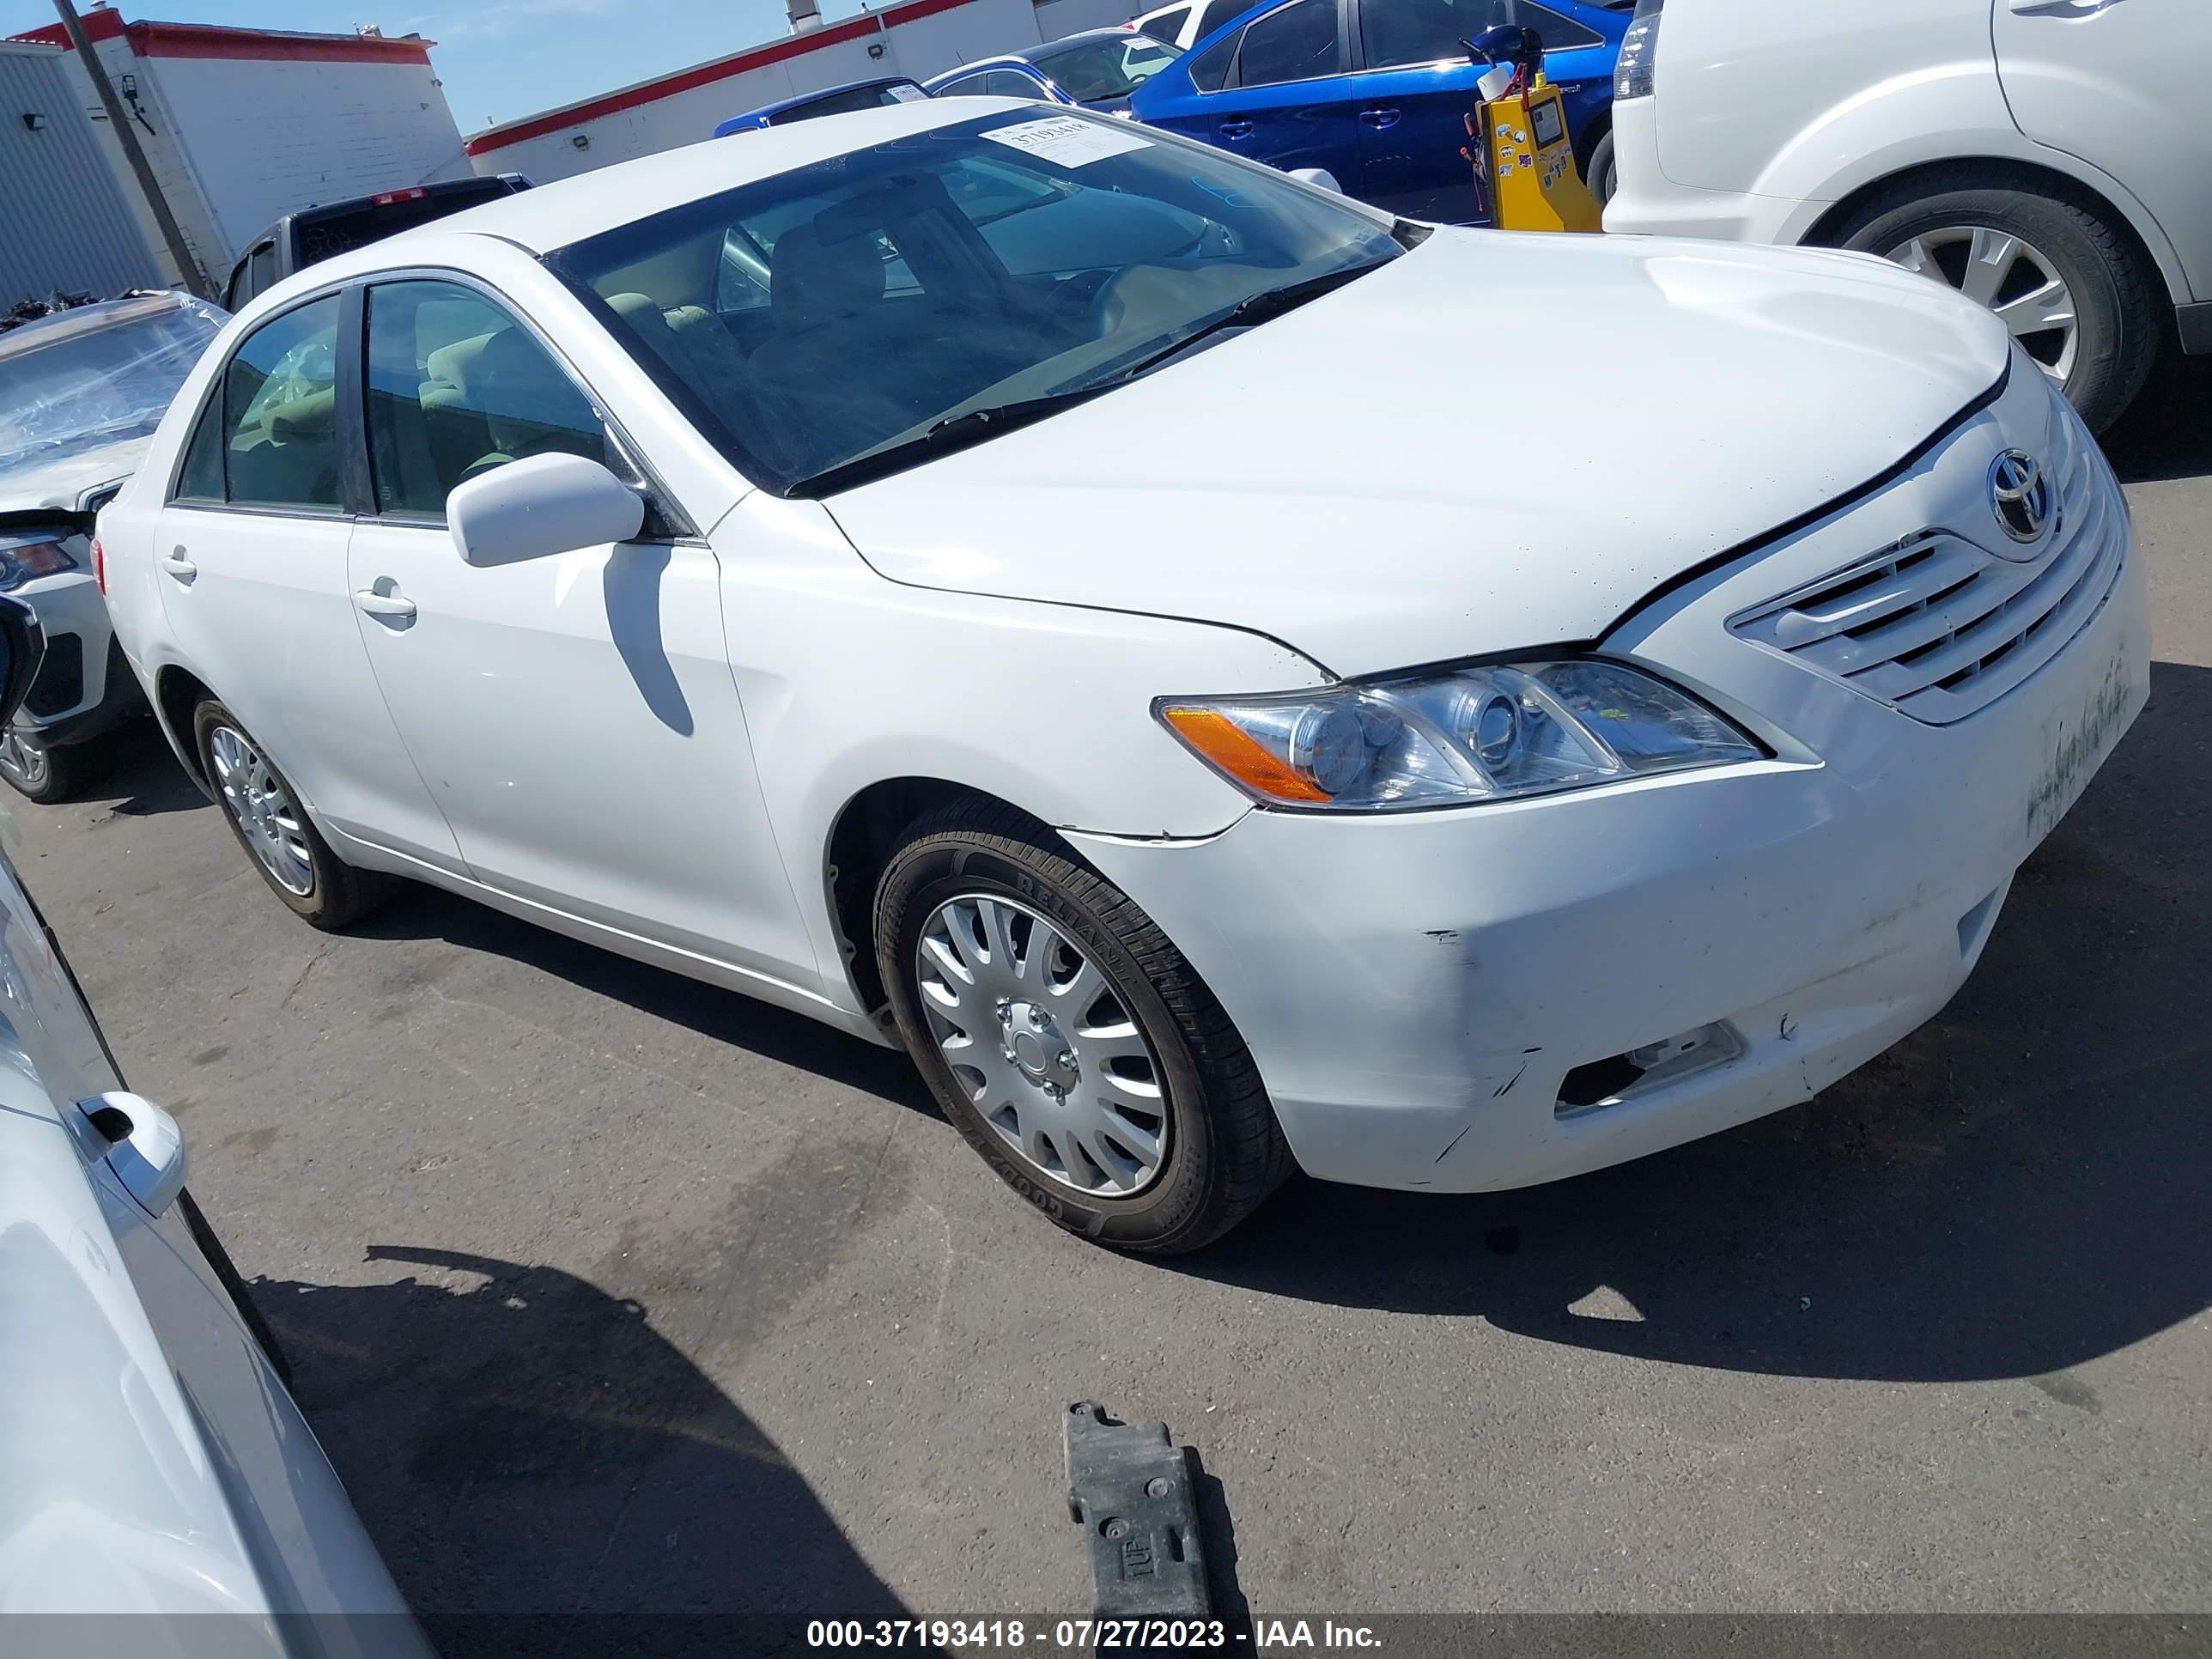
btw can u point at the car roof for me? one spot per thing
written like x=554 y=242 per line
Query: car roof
x=1028 y=54
x=569 y=210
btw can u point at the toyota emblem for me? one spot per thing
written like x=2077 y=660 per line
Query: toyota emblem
x=2020 y=495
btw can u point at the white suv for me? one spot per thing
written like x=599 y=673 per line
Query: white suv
x=2051 y=158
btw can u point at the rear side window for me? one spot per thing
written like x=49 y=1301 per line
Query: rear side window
x=1296 y=43
x=278 y=418
x=1209 y=68
x=1219 y=12
x=968 y=85
x=456 y=387
x=201 y=478
x=1167 y=24
x=1010 y=83
x=1396 y=32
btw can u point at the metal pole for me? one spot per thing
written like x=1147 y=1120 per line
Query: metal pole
x=119 y=120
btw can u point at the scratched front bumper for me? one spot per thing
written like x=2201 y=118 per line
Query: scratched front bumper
x=1415 y=987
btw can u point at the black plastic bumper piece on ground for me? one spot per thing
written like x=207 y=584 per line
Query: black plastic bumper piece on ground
x=1130 y=1488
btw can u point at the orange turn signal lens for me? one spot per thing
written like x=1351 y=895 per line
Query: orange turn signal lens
x=1220 y=740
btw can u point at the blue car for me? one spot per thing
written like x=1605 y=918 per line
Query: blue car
x=1376 y=92
x=830 y=100
x=1098 y=69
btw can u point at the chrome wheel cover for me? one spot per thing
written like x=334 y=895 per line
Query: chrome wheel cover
x=24 y=760
x=1043 y=1047
x=263 y=813
x=2012 y=278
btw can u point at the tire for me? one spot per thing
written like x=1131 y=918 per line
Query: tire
x=2118 y=327
x=1604 y=174
x=43 y=774
x=1222 y=1153
x=329 y=893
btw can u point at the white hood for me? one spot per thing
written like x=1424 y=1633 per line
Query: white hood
x=1496 y=441
x=58 y=485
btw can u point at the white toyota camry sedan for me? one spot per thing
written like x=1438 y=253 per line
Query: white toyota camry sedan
x=1225 y=679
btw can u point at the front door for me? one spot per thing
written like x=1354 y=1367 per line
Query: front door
x=250 y=553
x=1288 y=103
x=2119 y=84
x=574 y=716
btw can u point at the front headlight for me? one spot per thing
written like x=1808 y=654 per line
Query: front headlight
x=1633 y=71
x=1488 y=731
x=24 y=558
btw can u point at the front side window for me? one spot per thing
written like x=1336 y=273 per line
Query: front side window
x=968 y=85
x=998 y=261
x=456 y=388
x=279 y=420
x=1296 y=43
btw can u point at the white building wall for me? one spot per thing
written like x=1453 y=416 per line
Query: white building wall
x=919 y=48
x=165 y=156
x=264 y=137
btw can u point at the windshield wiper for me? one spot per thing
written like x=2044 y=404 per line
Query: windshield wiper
x=973 y=426
x=954 y=432
x=1247 y=313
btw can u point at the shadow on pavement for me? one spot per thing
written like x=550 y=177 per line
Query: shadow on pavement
x=545 y=1473
x=2168 y=432
x=2018 y=1187
x=142 y=778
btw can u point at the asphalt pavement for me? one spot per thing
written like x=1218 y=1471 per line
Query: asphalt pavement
x=609 y=1292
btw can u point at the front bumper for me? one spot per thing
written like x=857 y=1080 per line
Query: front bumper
x=1426 y=995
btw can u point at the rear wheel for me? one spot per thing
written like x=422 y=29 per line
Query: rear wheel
x=264 y=814
x=2066 y=284
x=39 y=773
x=1604 y=172
x=1068 y=1039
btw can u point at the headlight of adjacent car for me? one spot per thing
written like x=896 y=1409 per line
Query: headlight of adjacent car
x=25 y=557
x=1487 y=732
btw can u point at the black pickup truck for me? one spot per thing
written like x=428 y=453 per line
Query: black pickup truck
x=299 y=239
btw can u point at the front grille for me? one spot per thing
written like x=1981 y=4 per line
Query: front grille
x=60 y=684
x=1937 y=627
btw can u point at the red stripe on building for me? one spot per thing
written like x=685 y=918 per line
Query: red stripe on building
x=258 y=45
x=704 y=75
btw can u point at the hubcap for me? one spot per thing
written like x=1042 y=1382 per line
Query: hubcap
x=1044 y=1048
x=23 y=758
x=2015 y=279
x=263 y=813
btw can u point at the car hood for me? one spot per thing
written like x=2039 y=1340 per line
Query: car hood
x=1494 y=442
x=57 y=485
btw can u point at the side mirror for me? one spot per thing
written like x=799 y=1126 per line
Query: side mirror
x=546 y=504
x=144 y=1146
x=1319 y=178
x=24 y=647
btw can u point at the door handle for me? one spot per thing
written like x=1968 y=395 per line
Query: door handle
x=385 y=600
x=1235 y=128
x=2061 y=8
x=1381 y=115
x=179 y=566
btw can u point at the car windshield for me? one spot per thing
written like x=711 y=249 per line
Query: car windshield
x=1005 y=260
x=79 y=381
x=1096 y=71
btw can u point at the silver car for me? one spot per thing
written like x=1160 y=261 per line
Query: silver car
x=151 y=1461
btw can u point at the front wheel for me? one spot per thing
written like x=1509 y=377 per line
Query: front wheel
x=39 y=773
x=1068 y=1039
x=264 y=814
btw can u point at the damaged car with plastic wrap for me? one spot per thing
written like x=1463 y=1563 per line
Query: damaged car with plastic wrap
x=81 y=391
x=1417 y=771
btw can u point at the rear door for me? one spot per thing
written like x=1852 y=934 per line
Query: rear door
x=2120 y=83
x=250 y=560
x=1418 y=87
x=1288 y=101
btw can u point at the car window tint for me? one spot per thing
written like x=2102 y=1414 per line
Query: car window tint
x=200 y=478
x=1209 y=68
x=1166 y=25
x=1010 y=83
x=456 y=387
x=1294 y=44
x=968 y=85
x=263 y=268
x=280 y=411
x=1219 y=12
x=1396 y=32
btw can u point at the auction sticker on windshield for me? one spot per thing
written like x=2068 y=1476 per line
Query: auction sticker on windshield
x=1068 y=139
